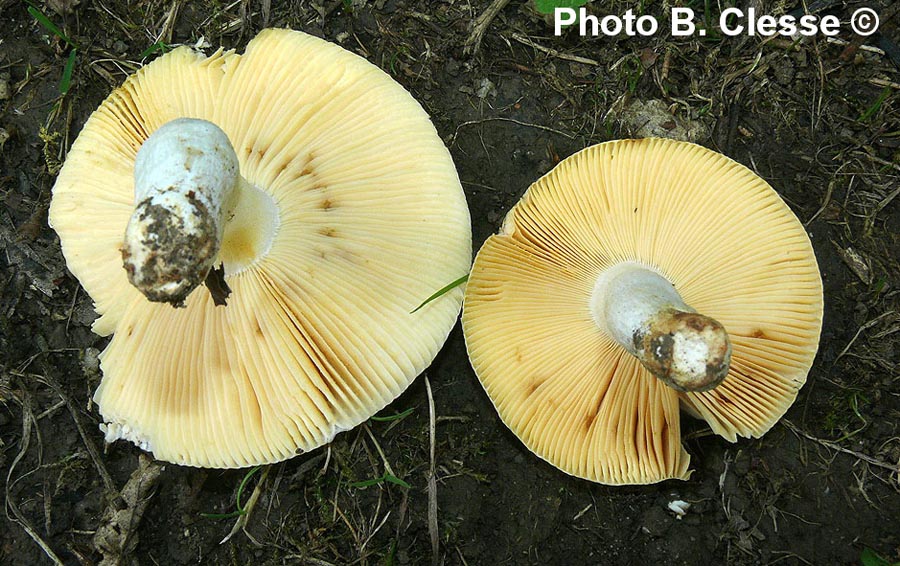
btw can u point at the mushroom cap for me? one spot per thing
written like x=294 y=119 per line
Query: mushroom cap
x=318 y=333
x=719 y=233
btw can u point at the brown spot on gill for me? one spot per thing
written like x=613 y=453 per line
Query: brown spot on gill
x=326 y=397
x=258 y=329
x=747 y=375
x=328 y=232
x=331 y=367
x=591 y=417
x=308 y=348
x=533 y=385
x=724 y=399
x=308 y=168
x=260 y=151
x=327 y=204
x=758 y=333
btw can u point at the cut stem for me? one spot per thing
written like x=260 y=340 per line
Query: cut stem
x=193 y=210
x=643 y=312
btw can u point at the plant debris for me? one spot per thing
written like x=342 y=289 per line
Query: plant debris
x=117 y=535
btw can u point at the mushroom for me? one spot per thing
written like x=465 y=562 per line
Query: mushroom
x=320 y=187
x=637 y=277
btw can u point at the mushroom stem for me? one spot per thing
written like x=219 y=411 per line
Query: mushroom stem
x=184 y=179
x=643 y=312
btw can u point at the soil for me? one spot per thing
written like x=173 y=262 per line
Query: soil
x=818 y=119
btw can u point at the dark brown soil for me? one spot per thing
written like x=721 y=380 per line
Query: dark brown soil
x=819 y=120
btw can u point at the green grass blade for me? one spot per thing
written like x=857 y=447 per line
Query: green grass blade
x=395 y=417
x=443 y=291
x=48 y=25
x=871 y=110
x=548 y=6
x=240 y=508
x=391 y=555
x=158 y=46
x=395 y=480
x=870 y=558
x=66 y=80
x=385 y=478
x=367 y=483
x=243 y=485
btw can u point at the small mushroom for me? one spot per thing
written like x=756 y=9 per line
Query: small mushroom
x=636 y=277
x=320 y=187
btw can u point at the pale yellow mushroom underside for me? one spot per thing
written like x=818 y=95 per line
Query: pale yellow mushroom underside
x=318 y=335
x=719 y=233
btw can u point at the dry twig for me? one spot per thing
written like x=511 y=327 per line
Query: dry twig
x=553 y=52
x=11 y=506
x=116 y=537
x=895 y=468
x=432 y=481
x=482 y=23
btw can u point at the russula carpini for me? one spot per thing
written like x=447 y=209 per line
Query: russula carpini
x=637 y=277
x=324 y=191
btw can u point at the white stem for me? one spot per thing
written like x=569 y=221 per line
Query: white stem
x=643 y=312
x=184 y=177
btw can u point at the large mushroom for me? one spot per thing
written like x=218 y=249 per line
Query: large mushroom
x=636 y=277
x=323 y=191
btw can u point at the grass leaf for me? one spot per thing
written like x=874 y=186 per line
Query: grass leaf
x=158 y=46
x=395 y=480
x=367 y=483
x=394 y=417
x=548 y=6
x=870 y=558
x=872 y=110
x=240 y=508
x=66 y=80
x=443 y=291
x=387 y=477
x=48 y=25
x=243 y=485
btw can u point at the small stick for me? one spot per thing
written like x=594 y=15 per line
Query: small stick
x=887 y=200
x=18 y=517
x=865 y=326
x=825 y=203
x=88 y=442
x=511 y=120
x=482 y=23
x=432 y=482
x=553 y=52
x=834 y=446
x=387 y=465
x=884 y=82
